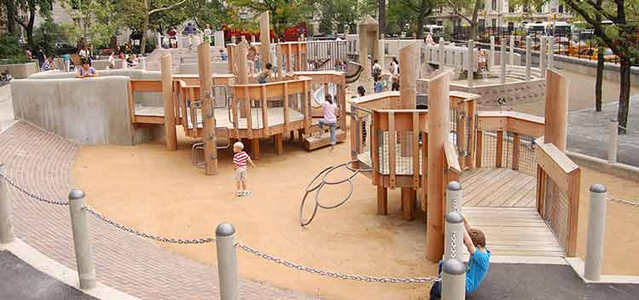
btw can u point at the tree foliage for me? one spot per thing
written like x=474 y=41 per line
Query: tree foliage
x=411 y=12
x=335 y=15
x=283 y=13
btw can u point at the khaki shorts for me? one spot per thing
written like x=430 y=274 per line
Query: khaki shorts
x=240 y=174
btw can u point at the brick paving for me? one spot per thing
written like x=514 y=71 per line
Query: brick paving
x=41 y=162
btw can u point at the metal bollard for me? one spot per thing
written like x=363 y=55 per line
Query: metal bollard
x=454 y=235
x=226 y=261
x=613 y=141
x=491 y=57
x=502 y=61
x=453 y=280
x=454 y=197
x=6 y=229
x=442 y=54
x=596 y=232
x=511 y=53
x=83 y=257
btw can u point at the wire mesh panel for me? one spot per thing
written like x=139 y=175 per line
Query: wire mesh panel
x=556 y=211
x=489 y=149
x=527 y=159
x=507 y=150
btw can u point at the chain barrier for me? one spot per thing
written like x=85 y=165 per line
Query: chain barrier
x=318 y=187
x=147 y=235
x=337 y=275
x=453 y=245
x=29 y=194
x=624 y=202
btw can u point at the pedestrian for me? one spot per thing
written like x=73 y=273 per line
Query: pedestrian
x=329 y=119
x=376 y=69
x=265 y=74
x=207 y=34
x=40 y=56
x=86 y=70
x=240 y=160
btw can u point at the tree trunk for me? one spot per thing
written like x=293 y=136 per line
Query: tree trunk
x=144 y=29
x=29 y=27
x=382 y=16
x=11 y=11
x=473 y=31
x=624 y=94
x=420 y=27
x=599 y=82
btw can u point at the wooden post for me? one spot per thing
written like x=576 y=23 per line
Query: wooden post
x=574 y=188
x=169 y=109
x=382 y=200
x=408 y=203
x=515 y=163
x=499 y=153
x=279 y=143
x=478 y=152
x=556 y=110
x=438 y=111
x=255 y=148
x=265 y=38
x=409 y=60
x=208 y=113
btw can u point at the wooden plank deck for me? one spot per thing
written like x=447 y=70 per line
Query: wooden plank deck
x=501 y=202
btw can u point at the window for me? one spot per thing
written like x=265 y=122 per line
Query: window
x=494 y=23
x=494 y=5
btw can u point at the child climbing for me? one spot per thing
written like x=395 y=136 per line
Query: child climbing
x=477 y=267
x=329 y=107
x=264 y=75
x=240 y=160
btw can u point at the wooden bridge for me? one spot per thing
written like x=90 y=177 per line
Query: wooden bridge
x=518 y=187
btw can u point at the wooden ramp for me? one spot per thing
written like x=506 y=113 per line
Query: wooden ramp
x=501 y=202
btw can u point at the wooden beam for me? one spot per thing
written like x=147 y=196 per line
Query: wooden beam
x=574 y=188
x=374 y=147
x=208 y=113
x=255 y=148
x=408 y=203
x=169 y=110
x=478 y=151
x=556 y=110
x=279 y=143
x=265 y=38
x=392 y=140
x=472 y=150
x=264 y=102
x=415 y=152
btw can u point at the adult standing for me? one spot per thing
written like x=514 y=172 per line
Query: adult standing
x=40 y=56
x=207 y=33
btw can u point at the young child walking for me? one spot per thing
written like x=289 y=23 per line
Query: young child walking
x=240 y=159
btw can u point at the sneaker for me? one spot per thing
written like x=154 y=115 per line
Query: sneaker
x=246 y=193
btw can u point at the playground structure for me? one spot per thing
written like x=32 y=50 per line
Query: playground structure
x=512 y=164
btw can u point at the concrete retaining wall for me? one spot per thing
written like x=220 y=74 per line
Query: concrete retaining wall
x=589 y=67
x=20 y=71
x=89 y=111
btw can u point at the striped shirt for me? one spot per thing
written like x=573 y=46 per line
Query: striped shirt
x=240 y=159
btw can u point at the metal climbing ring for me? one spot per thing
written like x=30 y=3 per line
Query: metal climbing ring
x=350 y=193
x=308 y=189
x=340 y=181
x=302 y=222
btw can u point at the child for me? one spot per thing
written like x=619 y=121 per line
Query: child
x=86 y=70
x=477 y=268
x=264 y=75
x=240 y=158
x=328 y=107
x=223 y=55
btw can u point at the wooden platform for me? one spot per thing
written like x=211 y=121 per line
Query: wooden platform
x=501 y=187
x=512 y=231
x=501 y=202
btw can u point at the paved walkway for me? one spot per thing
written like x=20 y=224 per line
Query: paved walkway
x=557 y=282
x=41 y=162
x=19 y=280
x=588 y=132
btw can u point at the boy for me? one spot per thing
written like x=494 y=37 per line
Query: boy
x=264 y=75
x=477 y=267
x=240 y=158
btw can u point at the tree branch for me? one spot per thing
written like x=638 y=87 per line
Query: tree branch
x=457 y=12
x=601 y=11
x=166 y=8
x=595 y=24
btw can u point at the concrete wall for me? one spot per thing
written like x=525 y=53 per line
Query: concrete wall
x=588 y=67
x=20 y=71
x=89 y=111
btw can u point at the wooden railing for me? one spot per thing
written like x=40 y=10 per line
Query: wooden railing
x=506 y=139
x=558 y=189
x=150 y=116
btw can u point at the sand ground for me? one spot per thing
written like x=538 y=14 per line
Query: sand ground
x=158 y=191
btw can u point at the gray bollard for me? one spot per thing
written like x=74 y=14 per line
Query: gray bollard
x=453 y=235
x=83 y=257
x=6 y=229
x=502 y=61
x=453 y=280
x=542 y=57
x=596 y=232
x=470 y=54
x=491 y=57
x=442 y=54
x=613 y=137
x=528 y=57
x=454 y=197
x=511 y=53
x=226 y=261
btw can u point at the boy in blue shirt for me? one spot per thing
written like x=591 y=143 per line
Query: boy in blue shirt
x=477 y=267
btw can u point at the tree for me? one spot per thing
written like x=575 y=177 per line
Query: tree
x=10 y=9
x=618 y=37
x=341 y=13
x=283 y=13
x=414 y=12
x=468 y=10
x=382 y=16
x=139 y=13
x=25 y=14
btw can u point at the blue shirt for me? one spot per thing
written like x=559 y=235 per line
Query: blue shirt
x=477 y=269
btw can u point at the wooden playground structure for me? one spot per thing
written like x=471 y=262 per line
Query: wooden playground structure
x=521 y=188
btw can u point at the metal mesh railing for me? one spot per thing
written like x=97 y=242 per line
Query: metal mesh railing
x=557 y=211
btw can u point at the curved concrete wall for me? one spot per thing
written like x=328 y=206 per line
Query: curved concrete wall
x=89 y=111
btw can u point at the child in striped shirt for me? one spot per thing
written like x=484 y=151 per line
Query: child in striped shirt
x=240 y=159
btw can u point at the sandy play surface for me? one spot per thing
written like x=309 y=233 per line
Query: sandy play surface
x=158 y=191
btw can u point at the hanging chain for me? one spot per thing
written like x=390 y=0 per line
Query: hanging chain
x=31 y=195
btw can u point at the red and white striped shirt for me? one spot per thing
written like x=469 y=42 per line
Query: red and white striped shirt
x=240 y=159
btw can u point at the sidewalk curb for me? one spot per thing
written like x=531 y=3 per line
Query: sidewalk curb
x=616 y=169
x=46 y=265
